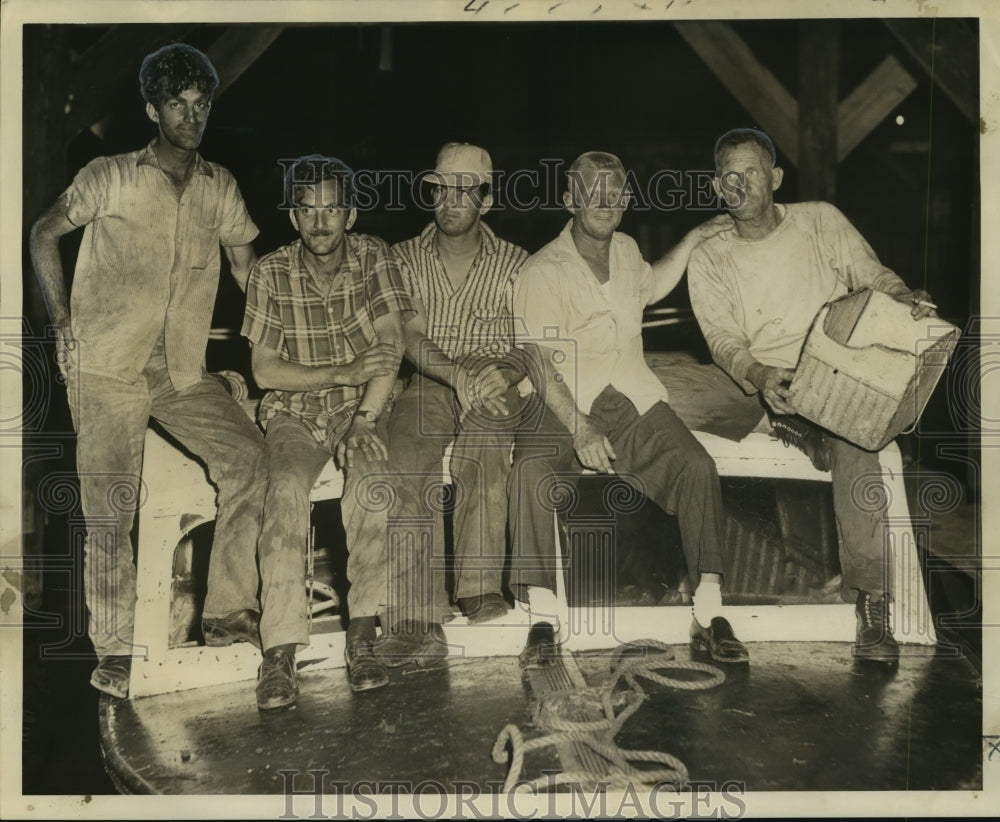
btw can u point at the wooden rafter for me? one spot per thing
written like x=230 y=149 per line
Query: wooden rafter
x=777 y=111
x=237 y=48
x=951 y=59
x=97 y=79
x=871 y=102
x=747 y=79
x=819 y=65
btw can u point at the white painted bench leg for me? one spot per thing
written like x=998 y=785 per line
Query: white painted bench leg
x=158 y=538
x=910 y=612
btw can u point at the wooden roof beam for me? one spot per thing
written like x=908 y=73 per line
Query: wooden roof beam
x=948 y=50
x=748 y=80
x=102 y=74
x=99 y=81
x=236 y=49
x=819 y=117
x=871 y=102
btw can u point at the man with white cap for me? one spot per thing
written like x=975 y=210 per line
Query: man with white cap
x=459 y=275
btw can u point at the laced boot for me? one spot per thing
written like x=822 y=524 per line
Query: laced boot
x=277 y=679
x=795 y=431
x=875 y=642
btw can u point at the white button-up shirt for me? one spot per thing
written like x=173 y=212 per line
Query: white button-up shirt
x=594 y=332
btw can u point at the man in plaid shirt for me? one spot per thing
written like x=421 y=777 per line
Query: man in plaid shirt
x=324 y=318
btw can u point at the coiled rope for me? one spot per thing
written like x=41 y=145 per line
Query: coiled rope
x=598 y=735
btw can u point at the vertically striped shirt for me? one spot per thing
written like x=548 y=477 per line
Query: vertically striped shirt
x=308 y=324
x=476 y=319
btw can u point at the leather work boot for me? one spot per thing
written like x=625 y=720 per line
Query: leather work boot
x=485 y=608
x=112 y=675
x=410 y=640
x=802 y=434
x=277 y=680
x=875 y=642
x=540 y=649
x=239 y=626
x=364 y=670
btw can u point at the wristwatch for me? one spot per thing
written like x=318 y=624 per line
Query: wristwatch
x=367 y=416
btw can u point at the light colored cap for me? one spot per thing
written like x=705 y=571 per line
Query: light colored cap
x=461 y=165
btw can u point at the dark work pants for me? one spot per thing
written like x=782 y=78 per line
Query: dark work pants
x=656 y=455
x=708 y=400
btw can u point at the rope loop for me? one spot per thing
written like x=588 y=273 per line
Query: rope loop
x=629 y=662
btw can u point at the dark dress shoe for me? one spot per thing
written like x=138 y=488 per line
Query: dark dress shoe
x=719 y=641
x=239 y=626
x=410 y=640
x=112 y=675
x=277 y=680
x=540 y=650
x=364 y=671
x=484 y=608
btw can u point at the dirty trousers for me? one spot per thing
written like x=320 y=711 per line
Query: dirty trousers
x=110 y=418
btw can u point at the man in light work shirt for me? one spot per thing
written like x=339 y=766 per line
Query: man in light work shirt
x=755 y=291
x=460 y=276
x=323 y=317
x=131 y=346
x=581 y=299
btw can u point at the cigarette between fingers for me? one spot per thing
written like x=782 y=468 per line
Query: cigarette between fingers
x=925 y=303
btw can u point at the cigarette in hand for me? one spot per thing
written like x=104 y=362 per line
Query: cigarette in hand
x=926 y=303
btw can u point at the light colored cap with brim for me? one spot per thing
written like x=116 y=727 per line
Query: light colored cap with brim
x=461 y=165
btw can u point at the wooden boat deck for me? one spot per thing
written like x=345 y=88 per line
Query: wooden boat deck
x=801 y=716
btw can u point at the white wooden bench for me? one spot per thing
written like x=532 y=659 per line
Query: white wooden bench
x=179 y=498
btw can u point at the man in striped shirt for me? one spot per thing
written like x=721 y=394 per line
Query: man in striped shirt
x=324 y=319
x=460 y=276
x=131 y=347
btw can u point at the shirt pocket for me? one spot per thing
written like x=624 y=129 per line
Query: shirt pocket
x=204 y=246
x=490 y=320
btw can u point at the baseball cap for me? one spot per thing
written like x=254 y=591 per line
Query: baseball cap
x=461 y=165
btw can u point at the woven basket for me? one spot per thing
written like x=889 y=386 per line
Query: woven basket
x=868 y=368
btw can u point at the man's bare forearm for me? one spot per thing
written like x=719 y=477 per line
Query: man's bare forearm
x=48 y=267
x=428 y=357
x=378 y=390
x=282 y=375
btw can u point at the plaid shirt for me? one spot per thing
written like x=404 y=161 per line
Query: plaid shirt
x=290 y=312
x=475 y=320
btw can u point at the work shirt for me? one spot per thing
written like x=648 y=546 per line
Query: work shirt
x=756 y=300
x=594 y=330
x=317 y=323
x=474 y=320
x=149 y=262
